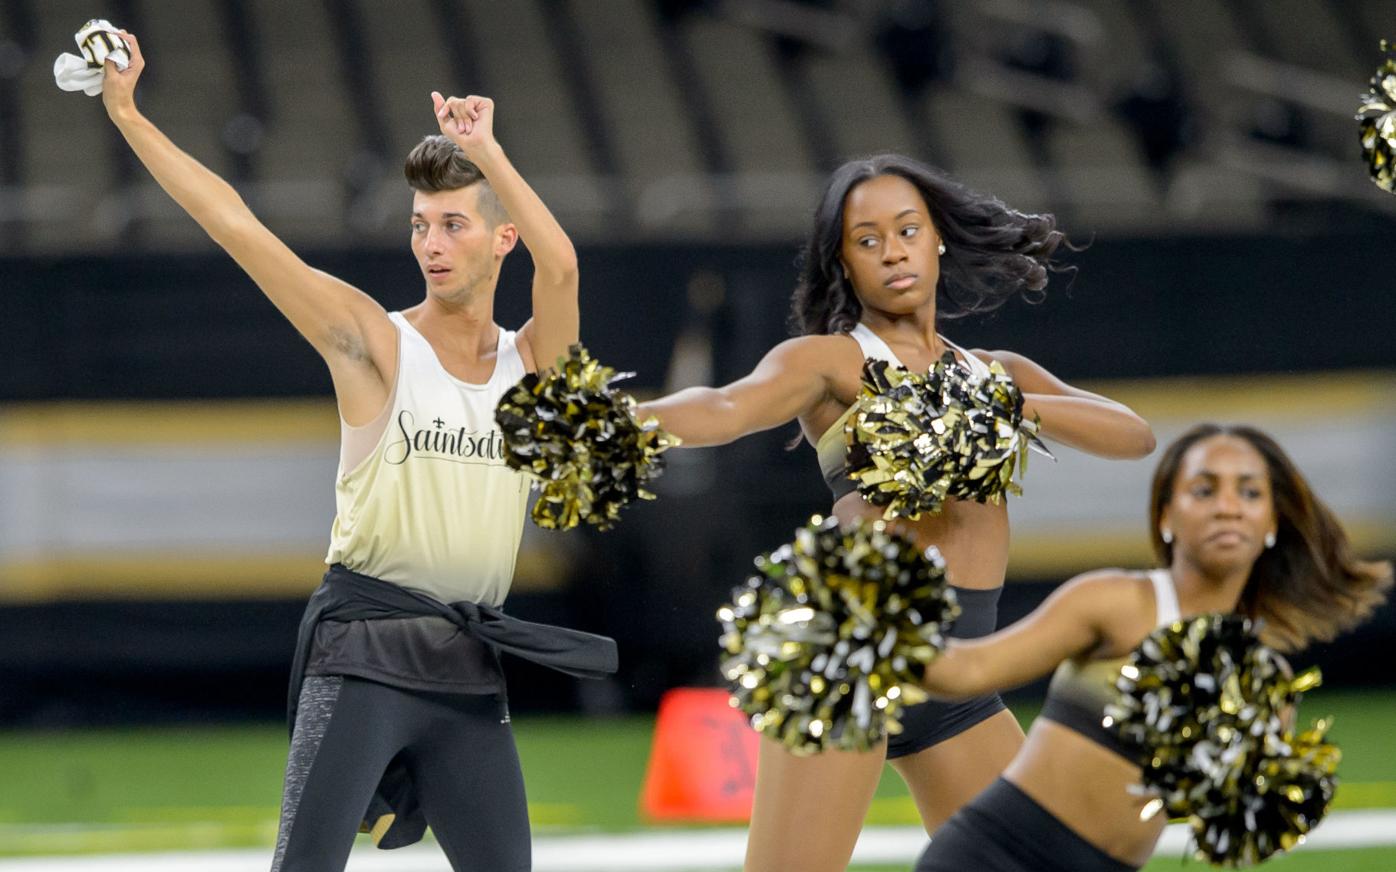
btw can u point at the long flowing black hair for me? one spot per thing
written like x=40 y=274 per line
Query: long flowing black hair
x=992 y=253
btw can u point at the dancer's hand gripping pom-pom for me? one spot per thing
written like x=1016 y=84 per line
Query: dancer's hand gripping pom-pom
x=1208 y=705
x=1377 y=114
x=830 y=638
x=579 y=438
x=915 y=440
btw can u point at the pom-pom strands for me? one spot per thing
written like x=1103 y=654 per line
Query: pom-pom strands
x=575 y=434
x=916 y=440
x=1267 y=801
x=1377 y=115
x=831 y=636
x=1207 y=705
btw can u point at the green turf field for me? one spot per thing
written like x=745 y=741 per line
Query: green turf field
x=198 y=788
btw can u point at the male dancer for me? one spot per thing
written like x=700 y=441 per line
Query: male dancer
x=397 y=698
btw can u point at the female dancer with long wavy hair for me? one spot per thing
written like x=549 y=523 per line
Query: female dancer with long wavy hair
x=1238 y=529
x=897 y=245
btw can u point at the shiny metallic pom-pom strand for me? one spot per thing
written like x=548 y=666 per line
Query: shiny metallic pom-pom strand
x=917 y=440
x=1376 y=116
x=827 y=641
x=1207 y=707
x=579 y=439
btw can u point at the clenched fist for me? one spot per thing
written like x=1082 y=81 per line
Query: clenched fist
x=119 y=86
x=466 y=121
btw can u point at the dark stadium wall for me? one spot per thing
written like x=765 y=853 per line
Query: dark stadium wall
x=192 y=327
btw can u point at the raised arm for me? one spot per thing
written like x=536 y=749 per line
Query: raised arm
x=1086 y=613
x=788 y=382
x=348 y=328
x=1085 y=421
x=556 y=321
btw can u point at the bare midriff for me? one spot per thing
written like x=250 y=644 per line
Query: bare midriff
x=972 y=537
x=1100 y=807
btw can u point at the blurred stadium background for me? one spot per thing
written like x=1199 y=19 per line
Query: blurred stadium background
x=167 y=443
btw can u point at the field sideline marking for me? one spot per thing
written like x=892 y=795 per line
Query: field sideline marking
x=651 y=851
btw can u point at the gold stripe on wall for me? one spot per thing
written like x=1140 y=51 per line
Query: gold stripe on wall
x=175 y=422
x=1233 y=399
x=154 y=576
x=160 y=576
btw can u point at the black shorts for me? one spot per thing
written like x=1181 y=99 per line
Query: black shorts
x=1004 y=830
x=932 y=722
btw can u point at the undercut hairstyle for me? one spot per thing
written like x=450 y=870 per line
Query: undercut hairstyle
x=1308 y=587
x=437 y=164
x=992 y=253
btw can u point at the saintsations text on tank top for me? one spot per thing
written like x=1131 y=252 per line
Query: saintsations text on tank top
x=434 y=508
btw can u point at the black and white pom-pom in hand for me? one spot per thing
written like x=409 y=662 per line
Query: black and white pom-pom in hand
x=99 y=41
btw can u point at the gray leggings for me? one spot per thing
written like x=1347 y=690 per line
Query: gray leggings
x=459 y=751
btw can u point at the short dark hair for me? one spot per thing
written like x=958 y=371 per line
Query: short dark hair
x=437 y=164
x=1309 y=586
x=993 y=252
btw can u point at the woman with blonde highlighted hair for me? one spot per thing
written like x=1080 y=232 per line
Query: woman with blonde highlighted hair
x=1236 y=528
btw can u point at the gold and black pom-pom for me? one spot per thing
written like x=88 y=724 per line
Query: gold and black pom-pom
x=1273 y=800
x=916 y=440
x=1377 y=124
x=1208 y=706
x=579 y=438
x=830 y=638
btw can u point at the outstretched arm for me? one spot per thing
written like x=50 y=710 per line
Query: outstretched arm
x=556 y=321
x=1087 y=422
x=1076 y=619
x=788 y=382
x=349 y=329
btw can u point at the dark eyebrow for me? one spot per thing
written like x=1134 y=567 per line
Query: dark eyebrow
x=1205 y=473
x=874 y=224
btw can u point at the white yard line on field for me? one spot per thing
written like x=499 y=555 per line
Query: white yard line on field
x=653 y=851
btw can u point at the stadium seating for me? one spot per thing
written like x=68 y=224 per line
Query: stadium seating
x=700 y=120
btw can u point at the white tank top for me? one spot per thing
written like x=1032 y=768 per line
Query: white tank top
x=434 y=507
x=1166 y=609
x=874 y=346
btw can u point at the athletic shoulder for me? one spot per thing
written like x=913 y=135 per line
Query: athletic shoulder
x=1118 y=603
x=1104 y=590
x=821 y=352
x=1011 y=361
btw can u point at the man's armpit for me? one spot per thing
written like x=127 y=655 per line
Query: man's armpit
x=348 y=345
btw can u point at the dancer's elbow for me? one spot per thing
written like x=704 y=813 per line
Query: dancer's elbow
x=1141 y=442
